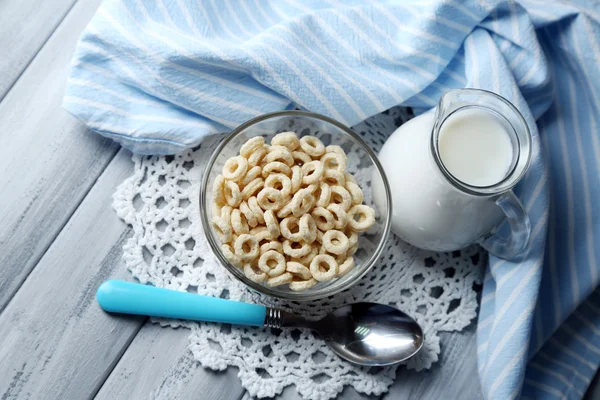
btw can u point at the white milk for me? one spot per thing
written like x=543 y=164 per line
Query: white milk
x=427 y=211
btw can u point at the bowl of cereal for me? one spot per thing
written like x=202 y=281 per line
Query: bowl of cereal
x=287 y=208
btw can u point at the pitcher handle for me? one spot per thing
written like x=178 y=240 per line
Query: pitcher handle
x=509 y=248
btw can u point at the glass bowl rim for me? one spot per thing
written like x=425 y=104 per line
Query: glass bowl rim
x=306 y=295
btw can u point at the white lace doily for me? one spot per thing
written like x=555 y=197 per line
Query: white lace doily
x=168 y=249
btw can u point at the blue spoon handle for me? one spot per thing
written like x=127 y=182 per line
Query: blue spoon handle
x=134 y=298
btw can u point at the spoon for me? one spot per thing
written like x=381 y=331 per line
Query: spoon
x=363 y=333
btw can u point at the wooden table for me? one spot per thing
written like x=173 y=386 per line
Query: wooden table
x=60 y=239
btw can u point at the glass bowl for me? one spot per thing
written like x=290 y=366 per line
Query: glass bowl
x=362 y=163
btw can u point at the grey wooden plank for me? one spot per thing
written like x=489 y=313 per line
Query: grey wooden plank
x=158 y=365
x=55 y=341
x=24 y=27
x=48 y=159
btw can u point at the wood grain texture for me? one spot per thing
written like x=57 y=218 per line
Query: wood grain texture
x=25 y=25
x=158 y=365
x=55 y=341
x=48 y=159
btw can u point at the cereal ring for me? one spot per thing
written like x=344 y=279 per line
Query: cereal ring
x=251 y=188
x=312 y=146
x=272 y=245
x=334 y=177
x=261 y=233
x=223 y=229
x=308 y=228
x=272 y=224
x=272 y=263
x=334 y=161
x=251 y=145
x=226 y=213
x=298 y=270
x=323 y=267
x=298 y=286
x=300 y=158
x=352 y=238
x=345 y=267
x=296 y=249
x=230 y=256
x=323 y=195
x=232 y=194
x=253 y=275
x=296 y=178
x=349 y=177
x=258 y=212
x=246 y=247
x=239 y=222
x=302 y=202
x=280 y=280
x=257 y=156
x=280 y=153
x=290 y=229
x=314 y=250
x=287 y=139
x=270 y=199
x=319 y=236
x=332 y=148
x=235 y=168
x=249 y=214
x=215 y=210
x=218 y=192
x=339 y=195
x=361 y=218
x=312 y=172
x=335 y=242
x=352 y=250
x=285 y=210
x=340 y=217
x=279 y=182
x=323 y=218
x=251 y=175
x=355 y=193
x=276 y=167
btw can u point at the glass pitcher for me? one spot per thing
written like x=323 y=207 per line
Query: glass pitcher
x=435 y=210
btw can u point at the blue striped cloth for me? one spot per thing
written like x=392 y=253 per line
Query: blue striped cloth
x=159 y=76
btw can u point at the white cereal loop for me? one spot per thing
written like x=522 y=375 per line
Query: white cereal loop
x=235 y=168
x=323 y=267
x=302 y=202
x=298 y=286
x=279 y=182
x=253 y=187
x=290 y=229
x=349 y=177
x=276 y=167
x=335 y=242
x=251 y=175
x=298 y=270
x=355 y=192
x=223 y=229
x=312 y=146
x=239 y=222
x=272 y=245
x=218 y=190
x=249 y=214
x=339 y=195
x=232 y=194
x=332 y=148
x=251 y=145
x=319 y=236
x=246 y=247
x=333 y=177
x=280 y=280
x=257 y=156
x=226 y=213
x=312 y=172
x=215 y=210
x=334 y=161
x=287 y=139
x=300 y=158
x=323 y=195
x=308 y=228
x=258 y=212
x=272 y=224
x=352 y=250
x=346 y=266
x=361 y=218
x=285 y=210
x=296 y=178
x=253 y=275
x=270 y=199
x=280 y=153
x=296 y=249
x=230 y=256
x=261 y=234
x=272 y=262
x=308 y=258
x=352 y=238
x=323 y=218
x=340 y=217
